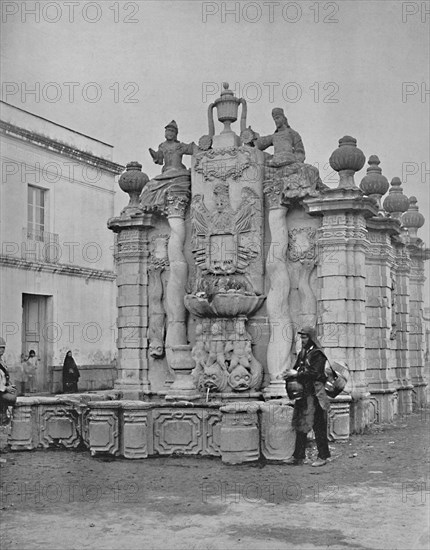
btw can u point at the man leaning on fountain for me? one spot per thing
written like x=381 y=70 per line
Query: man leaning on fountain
x=310 y=411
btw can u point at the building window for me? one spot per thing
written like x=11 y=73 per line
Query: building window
x=36 y=213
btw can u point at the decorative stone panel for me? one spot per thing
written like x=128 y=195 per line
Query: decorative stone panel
x=136 y=430
x=383 y=406
x=338 y=418
x=103 y=426
x=84 y=427
x=57 y=425
x=212 y=432
x=178 y=431
x=240 y=437
x=24 y=433
x=278 y=438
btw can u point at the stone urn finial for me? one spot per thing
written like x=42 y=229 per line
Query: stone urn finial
x=374 y=184
x=396 y=202
x=132 y=181
x=347 y=159
x=413 y=219
x=227 y=107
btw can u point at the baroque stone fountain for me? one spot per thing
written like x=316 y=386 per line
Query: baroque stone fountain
x=218 y=266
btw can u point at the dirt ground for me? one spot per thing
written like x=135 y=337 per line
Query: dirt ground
x=374 y=494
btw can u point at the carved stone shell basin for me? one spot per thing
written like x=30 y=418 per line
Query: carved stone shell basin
x=224 y=304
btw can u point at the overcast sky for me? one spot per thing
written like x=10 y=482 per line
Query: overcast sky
x=120 y=71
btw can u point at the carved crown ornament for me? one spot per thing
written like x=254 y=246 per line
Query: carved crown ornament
x=216 y=234
x=222 y=163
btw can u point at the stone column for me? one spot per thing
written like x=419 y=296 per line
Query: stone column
x=176 y=333
x=341 y=273
x=413 y=220
x=279 y=347
x=132 y=281
x=416 y=331
x=380 y=361
x=403 y=379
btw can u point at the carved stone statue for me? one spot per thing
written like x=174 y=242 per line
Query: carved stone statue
x=174 y=177
x=286 y=167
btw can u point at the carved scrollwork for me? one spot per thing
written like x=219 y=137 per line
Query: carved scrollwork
x=301 y=244
x=222 y=163
x=176 y=204
x=273 y=192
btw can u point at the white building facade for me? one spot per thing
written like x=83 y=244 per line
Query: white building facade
x=57 y=286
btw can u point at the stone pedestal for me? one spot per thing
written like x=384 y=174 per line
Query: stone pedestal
x=24 y=430
x=182 y=364
x=383 y=406
x=240 y=437
x=278 y=438
x=339 y=418
x=136 y=429
x=103 y=427
x=341 y=273
x=132 y=280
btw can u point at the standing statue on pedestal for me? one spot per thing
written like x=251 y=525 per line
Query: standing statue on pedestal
x=286 y=167
x=174 y=177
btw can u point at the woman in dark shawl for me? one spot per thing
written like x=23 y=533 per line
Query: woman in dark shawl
x=70 y=374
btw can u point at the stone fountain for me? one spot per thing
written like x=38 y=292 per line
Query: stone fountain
x=218 y=266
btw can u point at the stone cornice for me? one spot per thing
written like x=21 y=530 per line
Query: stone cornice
x=388 y=225
x=144 y=221
x=61 y=148
x=418 y=252
x=57 y=269
x=341 y=200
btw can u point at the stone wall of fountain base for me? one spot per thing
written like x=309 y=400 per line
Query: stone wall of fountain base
x=236 y=432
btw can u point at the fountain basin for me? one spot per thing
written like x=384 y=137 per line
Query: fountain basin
x=223 y=304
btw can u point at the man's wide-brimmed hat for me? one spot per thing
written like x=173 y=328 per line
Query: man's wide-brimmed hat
x=312 y=333
x=2 y=343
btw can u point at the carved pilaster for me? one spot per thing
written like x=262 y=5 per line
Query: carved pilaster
x=278 y=353
x=342 y=245
x=402 y=274
x=132 y=280
x=416 y=332
x=380 y=301
x=176 y=334
x=273 y=193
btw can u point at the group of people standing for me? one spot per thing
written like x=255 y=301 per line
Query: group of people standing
x=8 y=391
x=30 y=373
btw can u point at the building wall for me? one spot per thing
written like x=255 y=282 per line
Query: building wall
x=71 y=263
